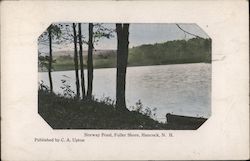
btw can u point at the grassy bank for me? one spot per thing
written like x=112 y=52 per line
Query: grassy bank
x=69 y=113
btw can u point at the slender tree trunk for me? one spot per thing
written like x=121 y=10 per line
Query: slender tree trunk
x=50 y=61
x=122 y=59
x=118 y=64
x=90 y=61
x=76 y=61
x=81 y=60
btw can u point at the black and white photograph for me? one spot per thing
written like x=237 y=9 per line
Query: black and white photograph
x=124 y=76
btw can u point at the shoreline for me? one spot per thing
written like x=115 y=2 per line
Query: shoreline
x=127 y=67
x=69 y=113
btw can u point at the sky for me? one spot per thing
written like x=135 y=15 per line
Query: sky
x=143 y=33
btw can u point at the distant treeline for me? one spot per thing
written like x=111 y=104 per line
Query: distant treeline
x=194 y=50
x=172 y=52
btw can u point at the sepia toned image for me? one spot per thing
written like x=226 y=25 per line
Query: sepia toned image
x=124 y=76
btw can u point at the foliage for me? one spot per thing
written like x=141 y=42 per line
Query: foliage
x=101 y=32
x=107 y=100
x=43 y=62
x=55 y=32
x=54 y=29
x=172 y=52
x=139 y=107
x=67 y=92
x=68 y=113
x=43 y=87
x=194 y=50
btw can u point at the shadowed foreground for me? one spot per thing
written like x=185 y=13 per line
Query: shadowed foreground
x=68 y=113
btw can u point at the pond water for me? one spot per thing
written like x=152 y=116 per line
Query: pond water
x=183 y=89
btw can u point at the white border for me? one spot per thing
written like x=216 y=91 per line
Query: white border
x=224 y=136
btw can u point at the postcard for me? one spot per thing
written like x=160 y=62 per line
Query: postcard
x=124 y=80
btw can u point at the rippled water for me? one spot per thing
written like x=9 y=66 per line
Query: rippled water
x=183 y=89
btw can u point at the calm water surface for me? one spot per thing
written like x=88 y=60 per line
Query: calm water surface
x=183 y=89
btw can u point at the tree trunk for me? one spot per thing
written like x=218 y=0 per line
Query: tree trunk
x=81 y=60
x=76 y=62
x=50 y=61
x=122 y=59
x=90 y=62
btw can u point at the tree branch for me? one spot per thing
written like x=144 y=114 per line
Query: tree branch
x=187 y=32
